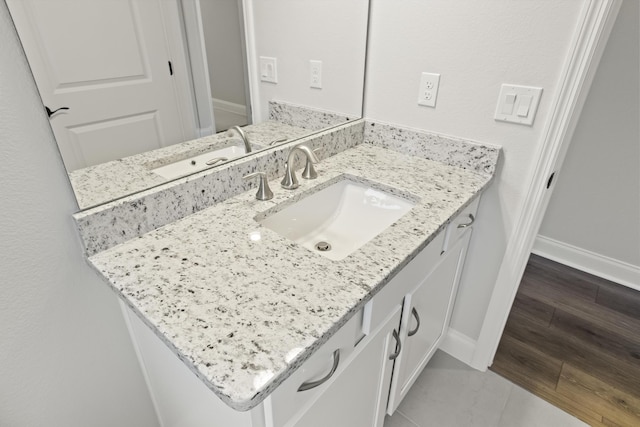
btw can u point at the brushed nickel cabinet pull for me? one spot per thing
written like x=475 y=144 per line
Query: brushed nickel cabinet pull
x=313 y=384
x=415 y=314
x=472 y=218
x=399 y=346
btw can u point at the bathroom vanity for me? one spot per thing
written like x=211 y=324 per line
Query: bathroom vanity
x=237 y=325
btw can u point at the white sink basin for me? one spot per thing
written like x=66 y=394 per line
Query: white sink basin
x=346 y=215
x=197 y=163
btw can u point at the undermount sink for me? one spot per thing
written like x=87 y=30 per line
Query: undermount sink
x=340 y=218
x=201 y=161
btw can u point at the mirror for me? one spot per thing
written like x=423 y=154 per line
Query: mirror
x=142 y=92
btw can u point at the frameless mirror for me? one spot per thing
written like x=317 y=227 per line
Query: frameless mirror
x=141 y=92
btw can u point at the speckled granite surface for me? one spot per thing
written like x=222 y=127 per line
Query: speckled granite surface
x=462 y=153
x=234 y=307
x=112 y=180
x=118 y=221
x=305 y=117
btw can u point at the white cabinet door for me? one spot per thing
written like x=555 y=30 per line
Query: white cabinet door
x=358 y=397
x=425 y=318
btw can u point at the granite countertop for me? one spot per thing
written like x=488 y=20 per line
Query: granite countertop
x=244 y=307
x=111 y=180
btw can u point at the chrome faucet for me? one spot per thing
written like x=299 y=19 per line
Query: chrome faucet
x=247 y=146
x=290 y=182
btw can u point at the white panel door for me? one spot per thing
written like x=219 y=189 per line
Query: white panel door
x=108 y=62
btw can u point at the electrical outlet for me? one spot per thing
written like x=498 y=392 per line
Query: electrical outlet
x=315 y=71
x=428 y=91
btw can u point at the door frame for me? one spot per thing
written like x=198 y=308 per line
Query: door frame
x=252 y=65
x=178 y=55
x=589 y=41
x=194 y=46
x=190 y=31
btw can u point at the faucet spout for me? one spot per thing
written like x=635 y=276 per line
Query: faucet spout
x=290 y=181
x=247 y=146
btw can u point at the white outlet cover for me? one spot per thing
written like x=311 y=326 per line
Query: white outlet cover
x=428 y=90
x=268 y=69
x=315 y=74
x=521 y=110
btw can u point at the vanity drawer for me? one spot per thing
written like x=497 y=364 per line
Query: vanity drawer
x=383 y=303
x=287 y=402
x=459 y=224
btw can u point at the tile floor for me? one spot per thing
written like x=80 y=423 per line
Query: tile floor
x=226 y=119
x=448 y=393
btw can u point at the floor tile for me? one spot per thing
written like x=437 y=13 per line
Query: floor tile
x=524 y=409
x=226 y=119
x=442 y=360
x=398 y=420
x=449 y=393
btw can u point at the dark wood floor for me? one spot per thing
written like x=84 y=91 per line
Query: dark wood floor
x=574 y=340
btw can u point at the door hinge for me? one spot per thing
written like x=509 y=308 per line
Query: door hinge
x=170 y=68
x=550 y=180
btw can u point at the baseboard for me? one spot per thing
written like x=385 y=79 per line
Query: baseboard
x=461 y=347
x=587 y=261
x=229 y=106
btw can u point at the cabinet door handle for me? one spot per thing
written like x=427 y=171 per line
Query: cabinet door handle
x=398 y=345
x=415 y=314
x=313 y=384
x=472 y=218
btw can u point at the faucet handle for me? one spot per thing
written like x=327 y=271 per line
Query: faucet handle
x=309 y=171
x=278 y=140
x=264 y=192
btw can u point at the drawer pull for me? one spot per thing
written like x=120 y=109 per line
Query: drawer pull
x=415 y=314
x=398 y=346
x=472 y=218
x=313 y=384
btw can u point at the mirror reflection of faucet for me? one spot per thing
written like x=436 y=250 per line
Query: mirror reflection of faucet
x=247 y=146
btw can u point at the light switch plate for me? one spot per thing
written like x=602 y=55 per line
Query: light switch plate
x=523 y=108
x=268 y=69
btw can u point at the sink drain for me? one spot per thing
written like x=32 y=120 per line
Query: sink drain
x=323 y=246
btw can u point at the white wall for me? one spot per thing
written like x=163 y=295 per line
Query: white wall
x=475 y=46
x=65 y=355
x=596 y=203
x=221 y=27
x=296 y=31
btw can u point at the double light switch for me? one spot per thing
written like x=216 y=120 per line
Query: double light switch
x=518 y=104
